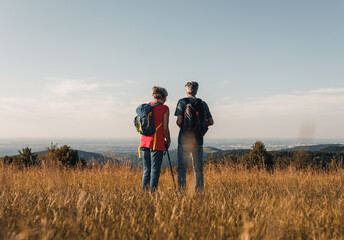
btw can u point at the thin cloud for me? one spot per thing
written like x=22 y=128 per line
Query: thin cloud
x=66 y=108
x=9 y=106
x=65 y=86
x=322 y=91
x=328 y=90
x=282 y=115
x=70 y=86
x=93 y=116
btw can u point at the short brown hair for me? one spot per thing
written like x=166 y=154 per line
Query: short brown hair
x=191 y=87
x=159 y=92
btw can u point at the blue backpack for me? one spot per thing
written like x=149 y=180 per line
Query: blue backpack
x=144 y=121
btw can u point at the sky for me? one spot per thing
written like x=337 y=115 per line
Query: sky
x=79 y=69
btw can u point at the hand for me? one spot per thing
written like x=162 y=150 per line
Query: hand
x=167 y=144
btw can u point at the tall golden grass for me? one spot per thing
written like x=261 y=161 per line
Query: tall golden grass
x=108 y=203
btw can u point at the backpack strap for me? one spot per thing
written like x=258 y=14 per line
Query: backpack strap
x=156 y=130
x=186 y=100
x=156 y=104
x=140 y=128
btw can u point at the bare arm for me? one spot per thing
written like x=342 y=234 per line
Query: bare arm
x=165 y=128
x=210 y=121
x=179 y=120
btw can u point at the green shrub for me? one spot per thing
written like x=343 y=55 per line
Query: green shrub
x=258 y=157
x=64 y=156
x=27 y=158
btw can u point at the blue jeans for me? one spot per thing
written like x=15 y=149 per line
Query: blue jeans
x=152 y=161
x=190 y=148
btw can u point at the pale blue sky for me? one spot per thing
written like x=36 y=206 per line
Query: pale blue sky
x=80 y=68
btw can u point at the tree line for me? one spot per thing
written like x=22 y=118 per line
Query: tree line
x=61 y=156
x=259 y=158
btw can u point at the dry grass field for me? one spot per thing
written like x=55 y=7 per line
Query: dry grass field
x=107 y=203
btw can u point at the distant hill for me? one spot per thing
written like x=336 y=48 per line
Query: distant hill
x=87 y=156
x=211 y=150
x=238 y=152
x=339 y=148
x=319 y=147
x=92 y=157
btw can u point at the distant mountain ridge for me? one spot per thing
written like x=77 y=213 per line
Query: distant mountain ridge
x=133 y=158
x=87 y=156
x=318 y=147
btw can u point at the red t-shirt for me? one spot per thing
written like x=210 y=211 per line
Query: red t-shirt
x=148 y=141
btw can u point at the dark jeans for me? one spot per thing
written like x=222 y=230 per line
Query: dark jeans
x=190 y=148
x=152 y=161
